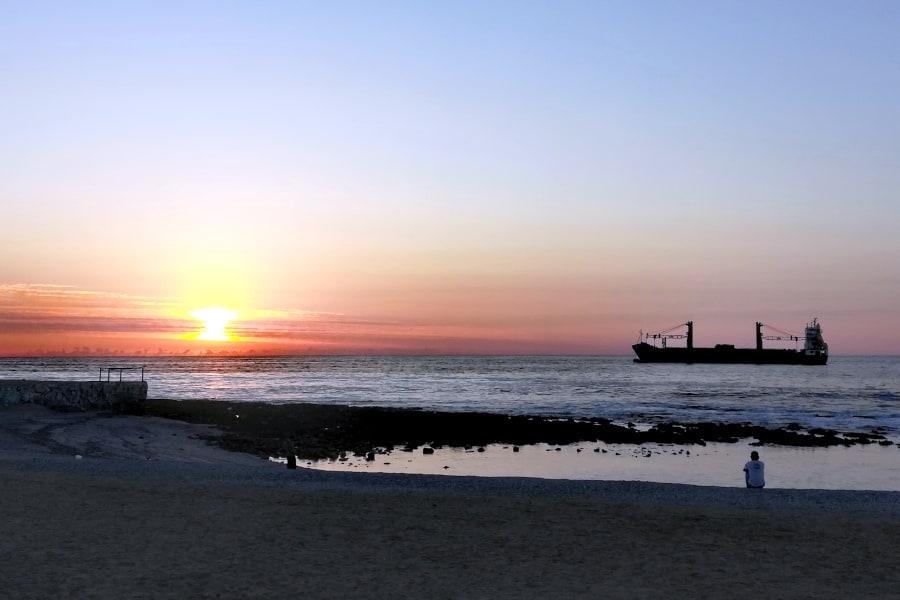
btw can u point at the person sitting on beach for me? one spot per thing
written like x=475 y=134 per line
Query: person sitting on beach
x=755 y=471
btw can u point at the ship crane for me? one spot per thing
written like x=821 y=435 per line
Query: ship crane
x=783 y=335
x=666 y=335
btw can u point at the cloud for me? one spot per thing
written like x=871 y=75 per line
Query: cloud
x=47 y=309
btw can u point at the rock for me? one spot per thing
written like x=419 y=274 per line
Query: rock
x=427 y=450
x=322 y=431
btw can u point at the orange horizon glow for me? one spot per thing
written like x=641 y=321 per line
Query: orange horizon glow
x=54 y=320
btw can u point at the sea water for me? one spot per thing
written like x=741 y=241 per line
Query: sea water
x=848 y=394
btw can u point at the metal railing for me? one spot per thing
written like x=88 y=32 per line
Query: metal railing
x=109 y=371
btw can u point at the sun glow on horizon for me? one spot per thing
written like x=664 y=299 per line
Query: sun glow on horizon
x=215 y=320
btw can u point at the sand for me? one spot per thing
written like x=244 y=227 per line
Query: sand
x=174 y=518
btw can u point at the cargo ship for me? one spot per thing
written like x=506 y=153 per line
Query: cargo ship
x=814 y=352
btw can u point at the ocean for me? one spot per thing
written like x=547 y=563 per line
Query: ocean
x=849 y=394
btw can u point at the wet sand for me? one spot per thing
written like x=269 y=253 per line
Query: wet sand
x=171 y=519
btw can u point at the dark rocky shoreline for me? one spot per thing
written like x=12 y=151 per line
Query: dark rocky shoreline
x=319 y=431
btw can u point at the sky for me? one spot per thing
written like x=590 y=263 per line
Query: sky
x=446 y=177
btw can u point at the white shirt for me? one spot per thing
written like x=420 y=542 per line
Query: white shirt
x=756 y=473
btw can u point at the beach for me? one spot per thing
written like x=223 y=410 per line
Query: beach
x=159 y=513
x=408 y=440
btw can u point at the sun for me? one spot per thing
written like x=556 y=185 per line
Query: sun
x=215 y=320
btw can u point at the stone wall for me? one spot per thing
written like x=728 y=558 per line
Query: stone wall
x=74 y=395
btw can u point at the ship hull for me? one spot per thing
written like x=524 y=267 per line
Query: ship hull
x=727 y=355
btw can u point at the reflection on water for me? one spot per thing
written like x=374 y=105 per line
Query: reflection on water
x=857 y=468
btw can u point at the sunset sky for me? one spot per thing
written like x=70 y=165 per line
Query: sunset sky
x=446 y=177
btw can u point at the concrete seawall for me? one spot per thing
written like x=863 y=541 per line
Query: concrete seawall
x=74 y=395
